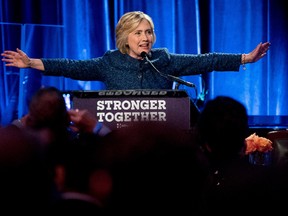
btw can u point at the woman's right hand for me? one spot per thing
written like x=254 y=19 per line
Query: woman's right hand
x=16 y=59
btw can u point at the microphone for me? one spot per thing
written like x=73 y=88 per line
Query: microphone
x=167 y=76
x=145 y=55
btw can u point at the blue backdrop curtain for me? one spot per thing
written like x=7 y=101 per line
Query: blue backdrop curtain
x=83 y=29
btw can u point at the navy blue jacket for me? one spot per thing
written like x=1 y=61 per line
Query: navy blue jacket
x=121 y=71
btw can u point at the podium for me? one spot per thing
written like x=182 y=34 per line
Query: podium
x=120 y=108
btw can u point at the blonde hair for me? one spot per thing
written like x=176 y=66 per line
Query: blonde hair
x=127 y=24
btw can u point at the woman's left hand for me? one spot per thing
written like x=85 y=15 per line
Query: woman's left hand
x=259 y=52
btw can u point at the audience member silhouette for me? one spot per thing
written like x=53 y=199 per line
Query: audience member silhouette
x=50 y=119
x=47 y=113
x=68 y=157
x=47 y=110
x=223 y=127
x=233 y=185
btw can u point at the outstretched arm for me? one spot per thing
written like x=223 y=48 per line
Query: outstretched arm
x=20 y=59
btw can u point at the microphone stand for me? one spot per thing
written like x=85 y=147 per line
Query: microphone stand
x=168 y=76
x=194 y=109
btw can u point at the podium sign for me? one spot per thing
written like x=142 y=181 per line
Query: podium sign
x=119 y=108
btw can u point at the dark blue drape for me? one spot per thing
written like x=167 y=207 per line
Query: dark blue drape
x=83 y=29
